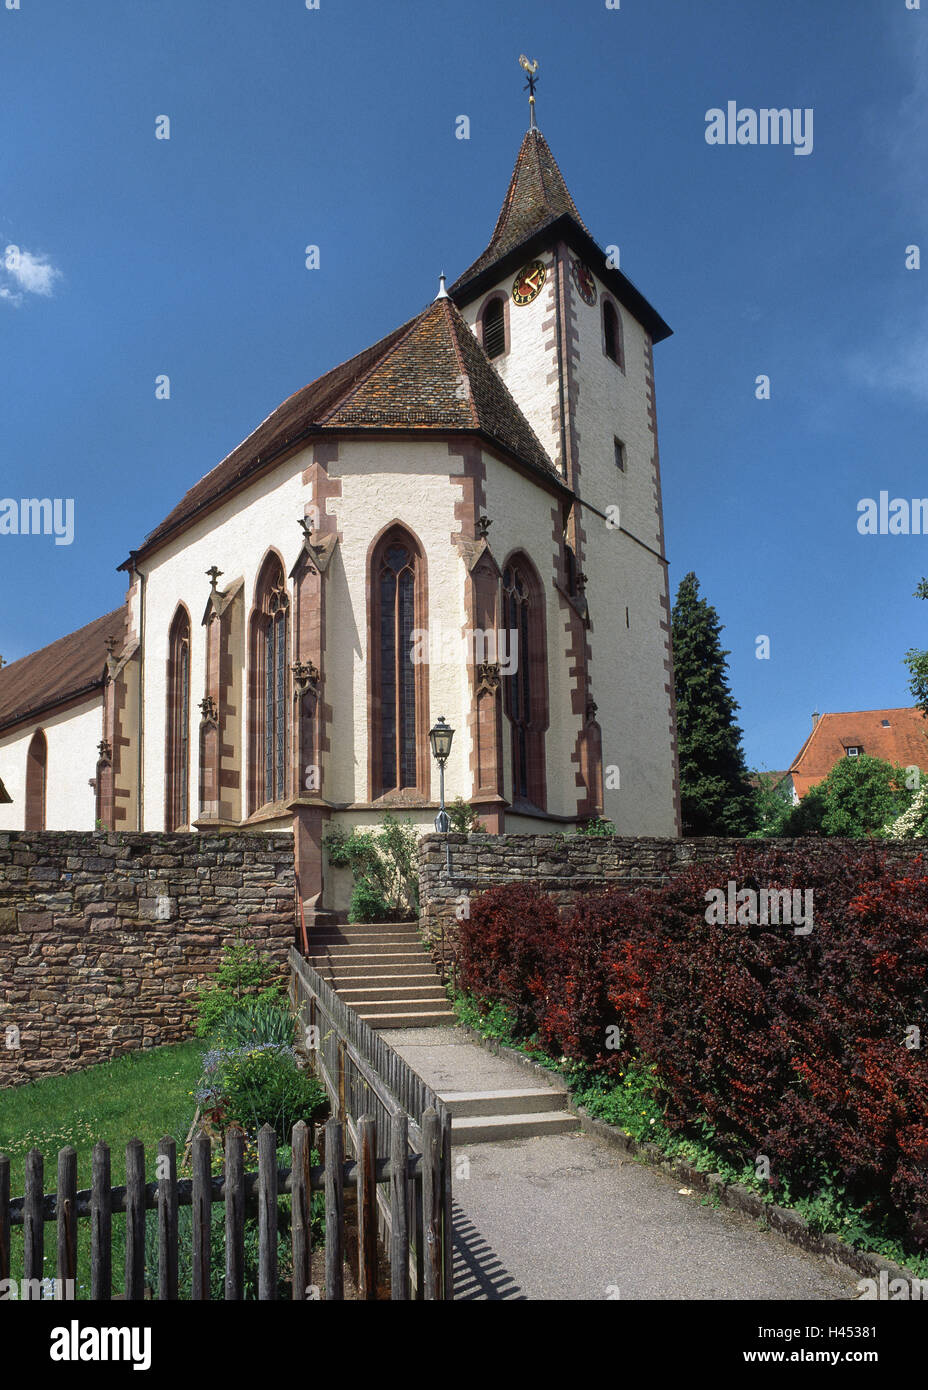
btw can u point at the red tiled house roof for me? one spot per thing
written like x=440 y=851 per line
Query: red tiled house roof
x=72 y=667
x=903 y=741
x=429 y=376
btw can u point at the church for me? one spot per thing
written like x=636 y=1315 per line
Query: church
x=462 y=521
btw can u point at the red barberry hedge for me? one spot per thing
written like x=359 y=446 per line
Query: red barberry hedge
x=791 y=1045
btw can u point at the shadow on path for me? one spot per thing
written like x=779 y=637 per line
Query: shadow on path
x=478 y=1273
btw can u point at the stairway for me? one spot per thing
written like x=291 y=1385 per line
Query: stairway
x=486 y=1117
x=383 y=971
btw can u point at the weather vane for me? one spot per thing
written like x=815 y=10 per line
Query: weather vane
x=531 y=69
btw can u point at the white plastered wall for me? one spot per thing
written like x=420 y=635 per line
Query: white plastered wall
x=72 y=736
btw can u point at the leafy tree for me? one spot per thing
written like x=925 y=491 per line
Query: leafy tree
x=917 y=662
x=772 y=804
x=857 y=798
x=715 y=793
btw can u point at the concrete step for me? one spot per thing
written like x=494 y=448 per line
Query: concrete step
x=352 y=938
x=434 y=1000
x=370 y=975
x=360 y=995
x=528 y=1101
x=431 y=1018
x=336 y=974
x=365 y=957
x=487 y=1129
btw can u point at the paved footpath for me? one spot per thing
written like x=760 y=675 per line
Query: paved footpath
x=569 y=1216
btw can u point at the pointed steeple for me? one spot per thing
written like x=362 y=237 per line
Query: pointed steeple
x=537 y=196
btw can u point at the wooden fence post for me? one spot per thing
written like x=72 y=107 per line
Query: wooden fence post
x=432 y=1202
x=202 y=1203
x=66 y=1263
x=267 y=1214
x=399 y=1206
x=301 y=1210
x=235 y=1215
x=447 y=1234
x=33 y=1222
x=4 y=1217
x=167 y=1220
x=334 y=1211
x=101 y=1226
x=367 y=1208
x=135 y=1219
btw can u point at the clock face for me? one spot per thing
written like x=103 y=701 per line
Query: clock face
x=583 y=279
x=527 y=284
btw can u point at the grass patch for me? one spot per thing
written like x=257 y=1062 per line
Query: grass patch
x=142 y=1095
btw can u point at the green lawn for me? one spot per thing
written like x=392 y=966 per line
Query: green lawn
x=143 y=1095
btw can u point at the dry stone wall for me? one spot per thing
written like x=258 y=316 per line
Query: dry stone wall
x=105 y=936
x=567 y=866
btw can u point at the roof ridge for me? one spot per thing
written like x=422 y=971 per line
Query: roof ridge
x=456 y=343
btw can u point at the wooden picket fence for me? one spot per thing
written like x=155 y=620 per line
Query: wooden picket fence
x=403 y=1174
x=364 y=1076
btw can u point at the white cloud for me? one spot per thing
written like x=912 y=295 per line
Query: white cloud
x=898 y=364
x=22 y=272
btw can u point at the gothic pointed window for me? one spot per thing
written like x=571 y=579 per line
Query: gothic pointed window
x=36 y=781
x=399 y=723
x=177 y=746
x=526 y=684
x=269 y=723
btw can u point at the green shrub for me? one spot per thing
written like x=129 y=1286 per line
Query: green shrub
x=597 y=828
x=260 y=1085
x=368 y=903
x=383 y=866
x=242 y=975
x=252 y=1021
x=464 y=819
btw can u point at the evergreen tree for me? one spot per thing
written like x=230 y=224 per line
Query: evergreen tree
x=716 y=796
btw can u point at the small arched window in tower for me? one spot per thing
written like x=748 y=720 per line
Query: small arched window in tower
x=36 y=781
x=269 y=686
x=526 y=688
x=494 y=328
x=612 y=333
x=177 y=801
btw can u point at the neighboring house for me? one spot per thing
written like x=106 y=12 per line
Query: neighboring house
x=490 y=468
x=897 y=736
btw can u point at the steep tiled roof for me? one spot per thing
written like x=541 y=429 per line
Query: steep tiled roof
x=437 y=376
x=72 y=666
x=903 y=741
x=537 y=195
x=430 y=375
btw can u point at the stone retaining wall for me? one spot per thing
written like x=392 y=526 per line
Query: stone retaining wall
x=567 y=866
x=104 y=936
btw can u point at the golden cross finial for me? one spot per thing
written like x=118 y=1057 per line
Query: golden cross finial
x=531 y=68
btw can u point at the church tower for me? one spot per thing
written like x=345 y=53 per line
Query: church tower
x=573 y=340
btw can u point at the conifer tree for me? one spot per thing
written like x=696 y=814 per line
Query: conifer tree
x=715 y=793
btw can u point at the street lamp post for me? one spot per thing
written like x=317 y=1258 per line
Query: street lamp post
x=440 y=736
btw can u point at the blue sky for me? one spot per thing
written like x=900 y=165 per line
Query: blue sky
x=336 y=127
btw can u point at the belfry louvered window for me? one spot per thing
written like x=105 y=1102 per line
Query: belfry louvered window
x=397 y=602
x=494 y=328
x=177 y=801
